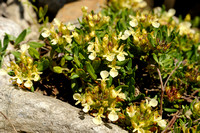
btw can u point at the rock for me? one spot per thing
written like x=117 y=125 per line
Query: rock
x=23 y=14
x=53 y=5
x=34 y=113
x=72 y=11
x=10 y=27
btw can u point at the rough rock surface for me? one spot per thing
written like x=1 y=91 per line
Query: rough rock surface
x=72 y=11
x=34 y=113
x=21 y=13
x=10 y=27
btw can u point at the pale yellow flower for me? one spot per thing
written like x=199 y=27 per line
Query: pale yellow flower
x=133 y=22
x=118 y=93
x=126 y=35
x=97 y=120
x=28 y=84
x=24 y=48
x=92 y=55
x=77 y=97
x=152 y=103
x=113 y=116
x=46 y=33
x=162 y=123
x=70 y=26
x=104 y=74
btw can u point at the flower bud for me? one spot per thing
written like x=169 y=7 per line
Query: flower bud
x=91 y=23
x=90 y=17
x=92 y=33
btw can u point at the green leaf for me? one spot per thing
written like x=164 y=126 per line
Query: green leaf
x=90 y=70
x=57 y=69
x=34 y=53
x=35 y=44
x=121 y=86
x=5 y=43
x=122 y=63
x=69 y=58
x=76 y=60
x=74 y=76
x=96 y=63
x=81 y=73
x=170 y=110
x=44 y=64
x=21 y=37
x=62 y=62
x=155 y=57
x=17 y=55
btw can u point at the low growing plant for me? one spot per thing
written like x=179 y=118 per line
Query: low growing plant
x=126 y=64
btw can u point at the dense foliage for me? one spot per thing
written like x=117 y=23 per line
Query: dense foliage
x=135 y=67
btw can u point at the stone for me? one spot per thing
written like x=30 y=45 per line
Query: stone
x=34 y=113
x=10 y=27
x=53 y=5
x=23 y=14
x=72 y=11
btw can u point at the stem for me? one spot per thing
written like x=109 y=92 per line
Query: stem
x=8 y=121
x=162 y=91
x=163 y=87
x=172 y=121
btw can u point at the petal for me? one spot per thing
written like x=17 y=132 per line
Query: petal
x=104 y=74
x=153 y=102
x=133 y=23
x=113 y=116
x=76 y=96
x=97 y=120
x=19 y=80
x=113 y=72
x=92 y=56
x=162 y=123
x=28 y=83
x=24 y=47
x=86 y=108
x=121 y=57
x=155 y=24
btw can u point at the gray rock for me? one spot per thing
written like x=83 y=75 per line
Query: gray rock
x=21 y=13
x=34 y=113
x=10 y=27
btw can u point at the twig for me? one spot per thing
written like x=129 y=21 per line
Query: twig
x=8 y=121
x=163 y=87
x=171 y=74
x=195 y=92
x=162 y=91
x=172 y=121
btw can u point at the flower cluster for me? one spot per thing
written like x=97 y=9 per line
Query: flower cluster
x=130 y=4
x=25 y=71
x=143 y=119
x=101 y=100
x=59 y=34
x=109 y=50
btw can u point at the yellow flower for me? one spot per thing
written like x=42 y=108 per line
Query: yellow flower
x=104 y=75
x=70 y=26
x=77 y=97
x=126 y=35
x=86 y=107
x=109 y=56
x=115 y=94
x=113 y=116
x=28 y=83
x=153 y=103
x=92 y=55
x=24 y=48
x=68 y=38
x=155 y=23
x=133 y=22
x=97 y=120
x=46 y=33
x=161 y=123
x=131 y=110
x=113 y=72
